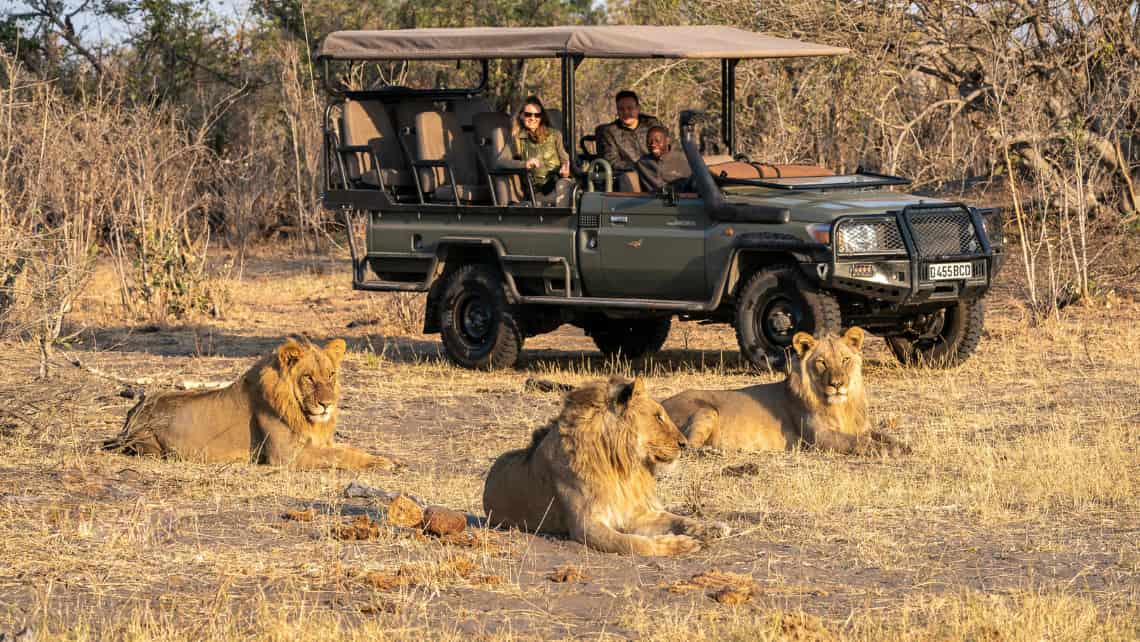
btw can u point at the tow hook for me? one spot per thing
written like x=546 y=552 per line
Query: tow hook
x=821 y=270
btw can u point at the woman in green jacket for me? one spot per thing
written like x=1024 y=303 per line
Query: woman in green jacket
x=536 y=146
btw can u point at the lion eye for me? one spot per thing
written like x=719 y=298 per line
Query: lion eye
x=820 y=366
x=846 y=360
x=661 y=417
x=308 y=379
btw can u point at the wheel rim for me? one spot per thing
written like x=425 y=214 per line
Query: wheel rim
x=476 y=319
x=778 y=320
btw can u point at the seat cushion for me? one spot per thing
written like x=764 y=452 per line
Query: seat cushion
x=734 y=169
x=367 y=123
x=738 y=169
x=792 y=171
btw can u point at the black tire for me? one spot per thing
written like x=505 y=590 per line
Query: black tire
x=631 y=338
x=952 y=337
x=476 y=323
x=772 y=306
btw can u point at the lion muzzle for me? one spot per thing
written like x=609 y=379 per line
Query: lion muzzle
x=320 y=416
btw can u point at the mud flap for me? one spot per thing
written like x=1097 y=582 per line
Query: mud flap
x=431 y=307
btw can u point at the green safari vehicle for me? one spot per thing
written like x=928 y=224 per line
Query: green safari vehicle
x=770 y=249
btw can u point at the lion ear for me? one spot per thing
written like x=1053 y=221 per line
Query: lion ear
x=854 y=337
x=637 y=389
x=335 y=350
x=621 y=391
x=289 y=353
x=803 y=342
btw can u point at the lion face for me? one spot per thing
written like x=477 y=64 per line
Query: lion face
x=831 y=367
x=311 y=373
x=658 y=440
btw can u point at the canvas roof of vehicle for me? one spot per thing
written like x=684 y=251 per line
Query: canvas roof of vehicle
x=617 y=41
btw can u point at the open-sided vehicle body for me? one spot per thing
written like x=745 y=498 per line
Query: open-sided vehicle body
x=771 y=249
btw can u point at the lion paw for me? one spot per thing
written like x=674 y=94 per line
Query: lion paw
x=676 y=544
x=384 y=463
x=708 y=531
x=712 y=530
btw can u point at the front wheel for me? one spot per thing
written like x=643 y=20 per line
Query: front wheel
x=476 y=324
x=774 y=305
x=631 y=338
x=949 y=337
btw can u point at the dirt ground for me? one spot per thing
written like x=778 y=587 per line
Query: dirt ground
x=1016 y=517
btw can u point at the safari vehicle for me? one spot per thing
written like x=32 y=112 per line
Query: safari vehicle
x=771 y=249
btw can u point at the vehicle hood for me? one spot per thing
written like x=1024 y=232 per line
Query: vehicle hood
x=826 y=206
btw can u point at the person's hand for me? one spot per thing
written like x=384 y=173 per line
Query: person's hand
x=533 y=163
x=564 y=172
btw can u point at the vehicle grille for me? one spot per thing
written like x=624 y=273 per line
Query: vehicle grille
x=588 y=220
x=943 y=232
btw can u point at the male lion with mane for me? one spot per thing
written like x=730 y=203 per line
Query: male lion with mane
x=281 y=412
x=821 y=405
x=589 y=474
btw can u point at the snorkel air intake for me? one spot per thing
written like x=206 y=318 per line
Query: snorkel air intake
x=707 y=187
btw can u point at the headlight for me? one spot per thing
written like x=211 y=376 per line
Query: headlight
x=992 y=223
x=879 y=236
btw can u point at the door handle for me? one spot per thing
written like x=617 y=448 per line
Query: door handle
x=619 y=220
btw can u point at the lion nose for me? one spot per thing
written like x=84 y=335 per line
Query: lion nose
x=683 y=444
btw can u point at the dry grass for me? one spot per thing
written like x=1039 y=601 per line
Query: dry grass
x=1016 y=518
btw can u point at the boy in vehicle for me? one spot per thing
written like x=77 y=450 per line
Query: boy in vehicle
x=663 y=165
x=623 y=141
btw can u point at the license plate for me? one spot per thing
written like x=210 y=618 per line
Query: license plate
x=950 y=271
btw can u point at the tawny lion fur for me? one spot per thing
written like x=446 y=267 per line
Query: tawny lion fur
x=821 y=404
x=281 y=412
x=589 y=475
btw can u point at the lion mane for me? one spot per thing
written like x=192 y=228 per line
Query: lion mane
x=283 y=411
x=821 y=404
x=589 y=475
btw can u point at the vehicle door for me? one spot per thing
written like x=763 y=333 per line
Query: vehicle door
x=652 y=247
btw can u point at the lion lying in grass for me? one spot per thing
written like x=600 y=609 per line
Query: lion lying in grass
x=590 y=475
x=281 y=412
x=821 y=404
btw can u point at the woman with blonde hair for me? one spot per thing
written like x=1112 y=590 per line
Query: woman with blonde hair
x=537 y=147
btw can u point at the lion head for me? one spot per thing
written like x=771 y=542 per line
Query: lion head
x=299 y=381
x=828 y=371
x=616 y=427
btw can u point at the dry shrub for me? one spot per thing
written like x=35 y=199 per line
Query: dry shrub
x=50 y=205
x=94 y=169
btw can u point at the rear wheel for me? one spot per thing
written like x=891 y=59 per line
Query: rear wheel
x=947 y=339
x=477 y=326
x=774 y=305
x=631 y=338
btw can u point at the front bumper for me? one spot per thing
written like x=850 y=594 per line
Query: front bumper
x=902 y=276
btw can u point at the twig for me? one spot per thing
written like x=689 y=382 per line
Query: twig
x=185 y=384
x=75 y=361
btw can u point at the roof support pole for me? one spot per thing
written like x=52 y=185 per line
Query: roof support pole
x=728 y=103
x=569 y=137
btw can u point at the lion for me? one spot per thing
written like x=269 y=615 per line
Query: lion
x=281 y=412
x=821 y=404
x=589 y=475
